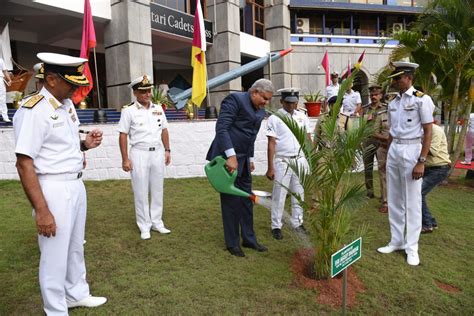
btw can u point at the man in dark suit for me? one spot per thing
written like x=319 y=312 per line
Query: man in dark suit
x=237 y=127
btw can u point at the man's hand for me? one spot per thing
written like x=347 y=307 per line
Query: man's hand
x=231 y=164
x=127 y=165
x=418 y=171
x=93 y=139
x=270 y=174
x=167 y=158
x=45 y=223
x=252 y=167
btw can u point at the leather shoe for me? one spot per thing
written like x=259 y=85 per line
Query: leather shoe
x=276 y=233
x=90 y=301
x=389 y=249
x=161 y=230
x=236 y=251
x=257 y=246
x=413 y=259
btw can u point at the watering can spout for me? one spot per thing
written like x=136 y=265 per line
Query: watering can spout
x=221 y=180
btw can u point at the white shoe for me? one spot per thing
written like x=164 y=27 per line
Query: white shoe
x=413 y=259
x=145 y=235
x=465 y=162
x=162 y=230
x=90 y=301
x=389 y=249
x=6 y=119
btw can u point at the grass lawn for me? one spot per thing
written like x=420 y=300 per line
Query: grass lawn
x=189 y=272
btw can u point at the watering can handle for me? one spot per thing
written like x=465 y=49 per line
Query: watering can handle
x=219 y=160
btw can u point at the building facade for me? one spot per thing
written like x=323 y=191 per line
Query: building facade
x=154 y=37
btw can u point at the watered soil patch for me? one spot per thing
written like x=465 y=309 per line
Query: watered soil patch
x=447 y=287
x=329 y=291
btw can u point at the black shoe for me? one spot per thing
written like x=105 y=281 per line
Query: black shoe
x=236 y=251
x=301 y=229
x=276 y=233
x=426 y=230
x=257 y=246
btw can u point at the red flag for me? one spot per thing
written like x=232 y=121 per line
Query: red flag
x=88 y=42
x=198 y=57
x=325 y=64
x=348 y=66
x=359 y=62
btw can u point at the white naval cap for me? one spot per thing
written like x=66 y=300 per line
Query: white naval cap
x=403 y=67
x=141 y=83
x=67 y=67
x=290 y=94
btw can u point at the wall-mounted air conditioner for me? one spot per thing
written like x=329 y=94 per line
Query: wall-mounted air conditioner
x=302 y=25
x=397 y=27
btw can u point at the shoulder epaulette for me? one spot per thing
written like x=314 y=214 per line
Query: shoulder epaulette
x=30 y=95
x=418 y=94
x=33 y=101
x=127 y=105
x=382 y=111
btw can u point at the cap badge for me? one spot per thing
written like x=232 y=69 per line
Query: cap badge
x=145 y=80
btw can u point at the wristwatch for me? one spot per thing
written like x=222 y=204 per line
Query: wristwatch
x=422 y=159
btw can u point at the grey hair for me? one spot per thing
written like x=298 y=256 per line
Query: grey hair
x=262 y=85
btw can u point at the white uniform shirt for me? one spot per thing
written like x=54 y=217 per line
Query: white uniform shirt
x=49 y=134
x=350 y=101
x=407 y=113
x=2 y=67
x=471 y=123
x=286 y=143
x=332 y=90
x=142 y=125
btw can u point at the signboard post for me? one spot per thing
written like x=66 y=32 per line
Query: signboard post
x=341 y=260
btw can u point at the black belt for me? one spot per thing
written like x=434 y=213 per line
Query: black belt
x=438 y=167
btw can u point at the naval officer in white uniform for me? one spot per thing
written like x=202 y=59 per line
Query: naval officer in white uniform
x=144 y=124
x=283 y=147
x=410 y=116
x=50 y=162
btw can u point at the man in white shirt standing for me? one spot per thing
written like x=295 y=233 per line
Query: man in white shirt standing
x=333 y=88
x=351 y=103
x=410 y=116
x=50 y=163
x=283 y=147
x=144 y=124
x=5 y=78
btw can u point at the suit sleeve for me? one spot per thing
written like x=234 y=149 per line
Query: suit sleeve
x=227 y=115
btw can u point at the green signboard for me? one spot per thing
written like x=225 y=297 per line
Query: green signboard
x=346 y=256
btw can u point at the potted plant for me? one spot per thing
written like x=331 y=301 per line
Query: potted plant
x=160 y=97
x=313 y=103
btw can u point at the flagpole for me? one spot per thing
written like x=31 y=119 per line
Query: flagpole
x=97 y=78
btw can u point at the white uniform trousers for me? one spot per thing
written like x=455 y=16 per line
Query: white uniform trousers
x=286 y=178
x=62 y=270
x=404 y=196
x=147 y=178
x=3 y=100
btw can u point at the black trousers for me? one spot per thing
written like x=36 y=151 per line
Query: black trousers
x=237 y=213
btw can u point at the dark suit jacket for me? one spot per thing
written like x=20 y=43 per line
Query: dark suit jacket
x=237 y=127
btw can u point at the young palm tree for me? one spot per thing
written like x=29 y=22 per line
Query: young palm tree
x=329 y=157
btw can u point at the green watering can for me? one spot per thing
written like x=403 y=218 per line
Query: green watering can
x=223 y=182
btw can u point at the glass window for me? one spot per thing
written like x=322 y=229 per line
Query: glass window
x=359 y=1
x=404 y=3
x=375 y=1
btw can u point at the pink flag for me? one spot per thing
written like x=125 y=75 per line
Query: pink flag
x=88 y=42
x=325 y=64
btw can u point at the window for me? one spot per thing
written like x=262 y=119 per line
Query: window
x=188 y=6
x=252 y=19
